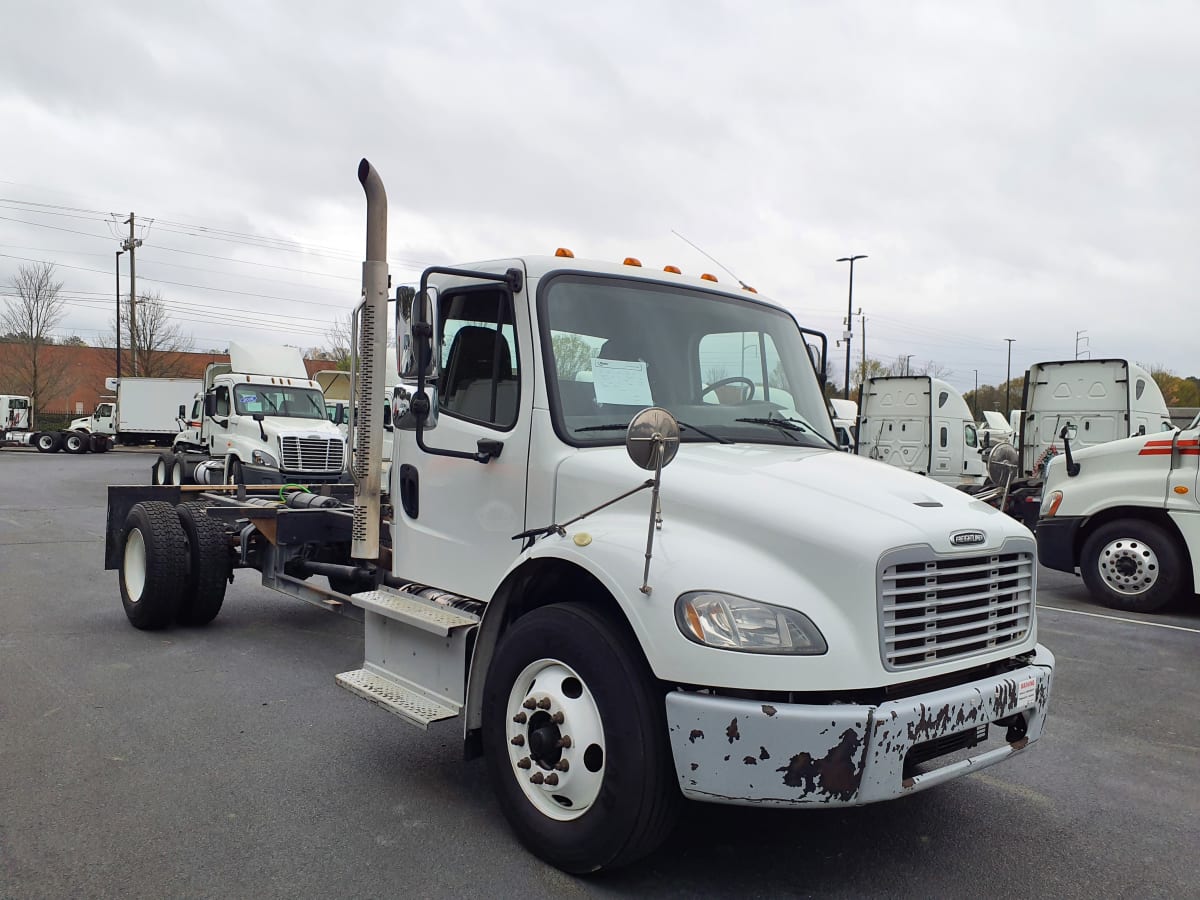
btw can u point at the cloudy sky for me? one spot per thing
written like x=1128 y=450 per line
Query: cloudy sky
x=1013 y=170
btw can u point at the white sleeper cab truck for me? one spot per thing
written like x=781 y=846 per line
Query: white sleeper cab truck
x=995 y=429
x=1126 y=515
x=261 y=421
x=844 y=414
x=920 y=424
x=144 y=411
x=627 y=585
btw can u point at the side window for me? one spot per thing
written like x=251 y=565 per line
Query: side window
x=944 y=436
x=223 y=400
x=479 y=377
x=196 y=408
x=970 y=436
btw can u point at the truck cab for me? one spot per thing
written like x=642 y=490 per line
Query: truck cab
x=102 y=421
x=14 y=413
x=922 y=425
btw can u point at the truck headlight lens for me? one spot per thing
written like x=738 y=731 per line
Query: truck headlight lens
x=735 y=623
x=264 y=459
x=1051 y=502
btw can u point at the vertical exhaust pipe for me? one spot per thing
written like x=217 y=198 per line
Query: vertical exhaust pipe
x=367 y=399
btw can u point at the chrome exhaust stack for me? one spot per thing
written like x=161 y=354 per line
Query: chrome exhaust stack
x=367 y=365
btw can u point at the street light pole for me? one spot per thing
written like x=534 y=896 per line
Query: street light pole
x=850 y=316
x=975 y=396
x=117 y=265
x=1008 y=383
x=907 y=359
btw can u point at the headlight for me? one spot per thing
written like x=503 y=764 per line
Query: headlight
x=264 y=459
x=735 y=623
x=1051 y=502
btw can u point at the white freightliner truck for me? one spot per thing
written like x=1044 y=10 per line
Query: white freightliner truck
x=920 y=424
x=15 y=412
x=258 y=420
x=1126 y=515
x=765 y=621
x=144 y=411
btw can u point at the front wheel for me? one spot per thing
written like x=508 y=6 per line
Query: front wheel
x=576 y=740
x=236 y=476
x=1133 y=565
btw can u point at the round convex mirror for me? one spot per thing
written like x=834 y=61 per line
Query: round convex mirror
x=649 y=430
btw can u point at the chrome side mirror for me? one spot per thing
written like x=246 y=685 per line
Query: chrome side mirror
x=409 y=346
x=403 y=417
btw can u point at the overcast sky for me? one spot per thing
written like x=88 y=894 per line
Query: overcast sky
x=1012 y=170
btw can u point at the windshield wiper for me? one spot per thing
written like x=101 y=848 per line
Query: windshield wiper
x=683 y=426
x=788 y=424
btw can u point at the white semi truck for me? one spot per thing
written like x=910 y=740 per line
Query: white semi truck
x=258 y=419
x=628 y=587
x=920 y=424
x=15 y=410
x=1125 y=515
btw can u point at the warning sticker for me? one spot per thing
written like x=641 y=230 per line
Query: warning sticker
x=1026 y=691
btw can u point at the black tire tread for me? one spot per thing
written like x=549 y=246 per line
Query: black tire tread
x=1173 y=581
x=208 y=565
x=166 y=565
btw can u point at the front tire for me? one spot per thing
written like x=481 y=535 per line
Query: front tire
x=1133 y=565
x=236 y=476
x=576 y=740
x=153 y=565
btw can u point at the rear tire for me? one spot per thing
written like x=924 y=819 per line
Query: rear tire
x=177 y=476
x=161 y=471
x=49 y=442
x=153 y=565
x=613 y=797
x=77 y=442
x=1133 y=565
x=208 y=565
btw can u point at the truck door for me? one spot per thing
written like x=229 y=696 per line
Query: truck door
x=103 y=421
x=455 y=518
x=217 y=425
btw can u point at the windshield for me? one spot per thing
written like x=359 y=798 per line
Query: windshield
x=728 y=369
x=279 y=400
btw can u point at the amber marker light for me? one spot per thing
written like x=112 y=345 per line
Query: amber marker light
x=633 y=261
x=707 y=277
x=564 y=253
x=673 y=269
x=1180 y=489
x=746 y=287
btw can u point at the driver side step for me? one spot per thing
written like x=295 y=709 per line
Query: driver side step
x=416 y=656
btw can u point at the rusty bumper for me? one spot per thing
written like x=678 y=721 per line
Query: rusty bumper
x=744 y=752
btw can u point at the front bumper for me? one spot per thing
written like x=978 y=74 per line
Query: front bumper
x=1056 y=542
x=254 y=474
x=729 y=750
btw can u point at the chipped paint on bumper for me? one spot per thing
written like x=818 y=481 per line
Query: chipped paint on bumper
x=729 y=750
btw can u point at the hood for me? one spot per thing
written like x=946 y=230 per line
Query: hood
x=852 y=505
x=277 y=426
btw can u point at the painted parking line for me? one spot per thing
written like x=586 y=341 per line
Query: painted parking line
x=1079 y=612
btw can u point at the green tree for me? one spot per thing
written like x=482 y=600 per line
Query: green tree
x=572 y=355
x=29 y=316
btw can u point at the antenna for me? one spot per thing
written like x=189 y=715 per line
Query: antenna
x=711 y=257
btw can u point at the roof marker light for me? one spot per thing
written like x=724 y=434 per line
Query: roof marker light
x=746 y=287
x=633 y=261
x=564 y=252
x=707 y=277
x=673 y=269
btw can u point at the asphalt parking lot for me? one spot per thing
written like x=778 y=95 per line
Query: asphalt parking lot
x=225 y=762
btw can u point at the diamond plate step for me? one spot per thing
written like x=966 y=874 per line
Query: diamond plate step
x=395 y=698
x=414 y=611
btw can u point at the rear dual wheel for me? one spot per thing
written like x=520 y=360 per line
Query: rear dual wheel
x=48 y=442
x=77 y=442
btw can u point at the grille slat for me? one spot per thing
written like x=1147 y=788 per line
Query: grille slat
x=303 y=454
x=933 y=610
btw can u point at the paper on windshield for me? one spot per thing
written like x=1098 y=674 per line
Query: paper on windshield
x=619 y=381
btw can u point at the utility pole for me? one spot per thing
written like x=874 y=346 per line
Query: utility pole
x=862 y=376
x=849 y=332
x=1081 y=337
x=907 y=360
x=1008 y=383
x=131 y=243
x=975 y=396
x=117 y=265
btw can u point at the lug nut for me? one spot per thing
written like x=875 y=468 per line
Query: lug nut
x=557 y=718
x=544 y=703
x=524 y=763
x=562 y=765
x=536 y=778
x=564 y=741
x=518 y=741
x=529 y=703
x=552 y=780
x=520 y=718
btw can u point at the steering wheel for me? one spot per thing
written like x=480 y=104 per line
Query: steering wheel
x=736 y=379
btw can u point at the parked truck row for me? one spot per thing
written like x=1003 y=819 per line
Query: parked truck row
x=629 y=585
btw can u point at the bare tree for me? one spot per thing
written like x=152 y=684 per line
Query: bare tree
x=337 y=346
x=160 y=342
x=28 y=319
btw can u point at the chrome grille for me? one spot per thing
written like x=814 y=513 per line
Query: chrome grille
x=312 y=454
x=936 y=609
